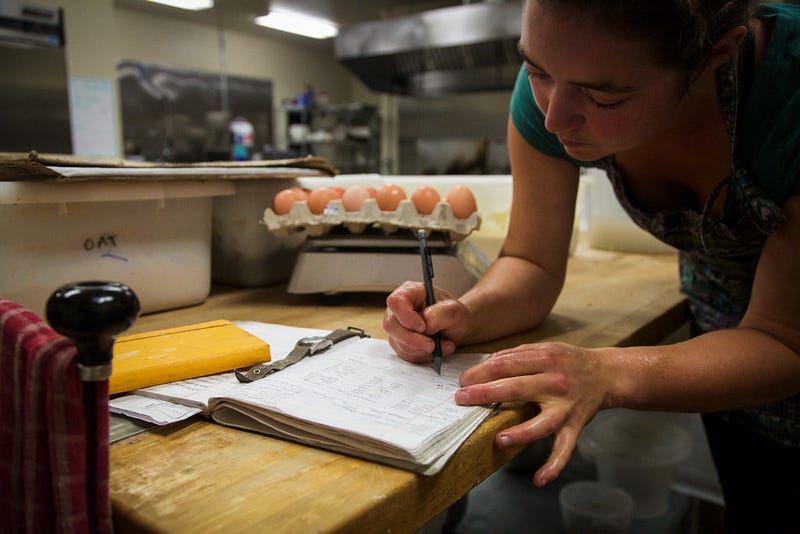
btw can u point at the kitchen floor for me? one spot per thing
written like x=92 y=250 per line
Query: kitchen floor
x=508 y=503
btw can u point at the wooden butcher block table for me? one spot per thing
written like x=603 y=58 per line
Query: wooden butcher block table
x=201 y=477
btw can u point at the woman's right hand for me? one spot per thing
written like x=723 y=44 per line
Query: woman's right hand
x=409 y=324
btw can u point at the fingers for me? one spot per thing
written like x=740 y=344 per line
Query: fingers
x=417 y=349
x=522 y=360
x=546 y=423
x=531 y=430
x=527 y=388
x=528 y=381
x=563 y=447
x=548 y=375
x=403 y=306
x=405 y=324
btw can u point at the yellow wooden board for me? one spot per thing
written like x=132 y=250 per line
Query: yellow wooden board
x=161 y=356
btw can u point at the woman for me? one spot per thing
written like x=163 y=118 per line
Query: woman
x=693 y=109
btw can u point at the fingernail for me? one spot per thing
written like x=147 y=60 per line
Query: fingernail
x=504 y=441
x=462 y=397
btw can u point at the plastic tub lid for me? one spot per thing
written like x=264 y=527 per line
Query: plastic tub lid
x=12 y=193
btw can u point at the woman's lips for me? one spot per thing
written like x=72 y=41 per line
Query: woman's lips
x=569 y=143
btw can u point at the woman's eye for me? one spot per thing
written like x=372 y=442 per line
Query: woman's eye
x=537 y=75
x=607 y=106
x=603 y=101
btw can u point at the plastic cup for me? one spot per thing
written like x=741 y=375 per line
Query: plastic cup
x=638 y=452
x=591 y=507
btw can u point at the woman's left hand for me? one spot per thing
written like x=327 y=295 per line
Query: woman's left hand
x=568 y=383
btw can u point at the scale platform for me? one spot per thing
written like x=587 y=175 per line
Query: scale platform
x=332 y=264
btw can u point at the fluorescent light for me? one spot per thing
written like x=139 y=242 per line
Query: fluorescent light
x=299 y=24
x=194 y=5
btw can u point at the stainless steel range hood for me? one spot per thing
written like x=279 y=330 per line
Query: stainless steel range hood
x=472 y=47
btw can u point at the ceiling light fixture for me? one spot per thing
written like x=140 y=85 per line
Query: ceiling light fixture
x=194 y=5
x=299 y=24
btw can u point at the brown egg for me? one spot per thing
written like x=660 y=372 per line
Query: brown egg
x=462 y=201
x=338 y=190
x=283 y=200
x=354 y=197
x=389 y=197
x=319 y=198
x=425 y=199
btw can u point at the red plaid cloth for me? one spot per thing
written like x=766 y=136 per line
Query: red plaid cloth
x=44 y=485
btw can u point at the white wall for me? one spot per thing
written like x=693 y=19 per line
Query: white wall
x=290 y=63
x=100 y=33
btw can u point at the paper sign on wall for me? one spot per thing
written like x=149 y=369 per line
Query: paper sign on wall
x=93 y=115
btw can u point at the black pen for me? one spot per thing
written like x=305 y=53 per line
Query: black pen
x=427 y=278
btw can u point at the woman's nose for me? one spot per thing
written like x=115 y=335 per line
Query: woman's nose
x=561 y=113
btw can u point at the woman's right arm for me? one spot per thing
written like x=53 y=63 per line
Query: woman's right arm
x=520 y=288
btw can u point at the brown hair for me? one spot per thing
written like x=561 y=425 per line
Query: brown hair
x=681 y=33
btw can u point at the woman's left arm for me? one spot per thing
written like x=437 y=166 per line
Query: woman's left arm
x=756 y=363
x=775 y=302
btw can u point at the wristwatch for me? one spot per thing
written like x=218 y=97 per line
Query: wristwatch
x=307 y=346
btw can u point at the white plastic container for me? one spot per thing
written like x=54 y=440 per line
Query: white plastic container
x=153 y=236
x=637 y=452
x=589 y=506
x=610 y=227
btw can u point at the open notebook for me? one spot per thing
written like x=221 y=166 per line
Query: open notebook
x=356 y=398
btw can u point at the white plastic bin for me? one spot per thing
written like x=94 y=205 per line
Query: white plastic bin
x=153 y=236
x=610 y=227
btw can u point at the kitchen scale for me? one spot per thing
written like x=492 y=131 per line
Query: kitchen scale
x=339 y=262
x=374 y=250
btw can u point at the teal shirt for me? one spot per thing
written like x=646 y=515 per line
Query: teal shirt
x=769 y=132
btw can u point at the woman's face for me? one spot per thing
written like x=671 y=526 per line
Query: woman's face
x=601 y=94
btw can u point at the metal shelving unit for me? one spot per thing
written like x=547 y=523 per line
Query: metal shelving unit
x=347 y=135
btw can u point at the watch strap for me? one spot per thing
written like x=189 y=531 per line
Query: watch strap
x=305 y=347
x=345 y=333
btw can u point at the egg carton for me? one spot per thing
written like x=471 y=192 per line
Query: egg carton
x=405 y=217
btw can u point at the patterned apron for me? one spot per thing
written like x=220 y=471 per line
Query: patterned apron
x=718 y=258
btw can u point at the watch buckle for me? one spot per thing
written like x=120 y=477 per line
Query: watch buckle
x=318 y=346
